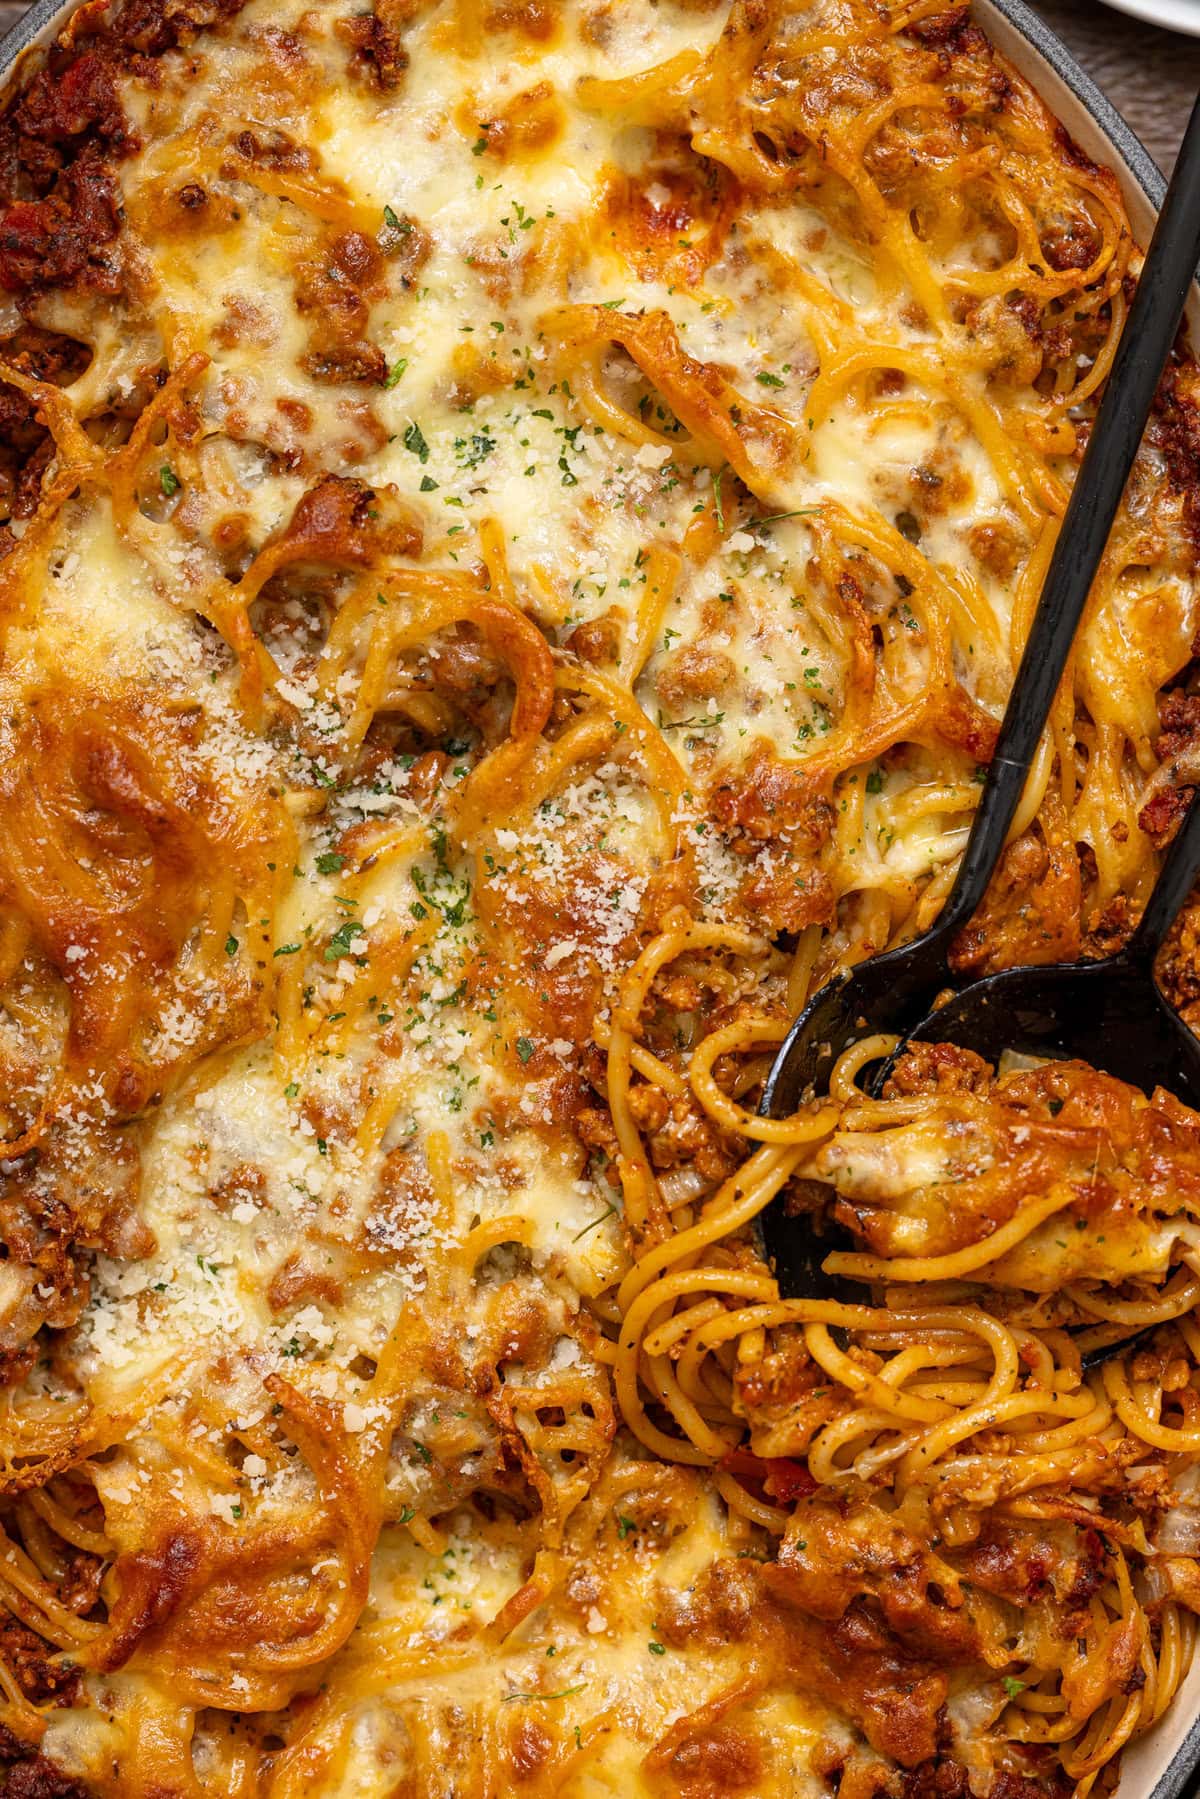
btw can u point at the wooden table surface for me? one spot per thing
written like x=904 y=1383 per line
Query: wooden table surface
x=1151 y=75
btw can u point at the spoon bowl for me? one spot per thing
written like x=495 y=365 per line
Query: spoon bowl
x=1109 y=1014
x=880 y=994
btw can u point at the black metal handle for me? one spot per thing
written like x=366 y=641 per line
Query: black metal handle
x=1146 y=342
x=1175 y=882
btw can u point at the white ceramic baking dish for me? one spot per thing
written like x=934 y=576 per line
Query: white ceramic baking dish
x=1166 y=1763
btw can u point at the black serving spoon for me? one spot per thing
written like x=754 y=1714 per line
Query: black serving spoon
x=1109 y=1013
x=891 y=992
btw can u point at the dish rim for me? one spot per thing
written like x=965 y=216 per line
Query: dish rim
x=37 y=26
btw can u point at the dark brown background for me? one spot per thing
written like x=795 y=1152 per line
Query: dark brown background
x=1151 y=75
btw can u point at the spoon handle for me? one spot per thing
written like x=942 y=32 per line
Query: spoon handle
x=1150 y=331
x=1176 y=880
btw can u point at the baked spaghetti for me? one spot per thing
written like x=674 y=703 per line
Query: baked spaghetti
x=521 y=518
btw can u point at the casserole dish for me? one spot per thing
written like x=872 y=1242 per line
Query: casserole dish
x=503 y=1429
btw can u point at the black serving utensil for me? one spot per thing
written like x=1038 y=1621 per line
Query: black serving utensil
x=1109 y=1013
x=890 y=992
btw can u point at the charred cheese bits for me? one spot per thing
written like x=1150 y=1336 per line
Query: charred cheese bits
x=519 y=517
